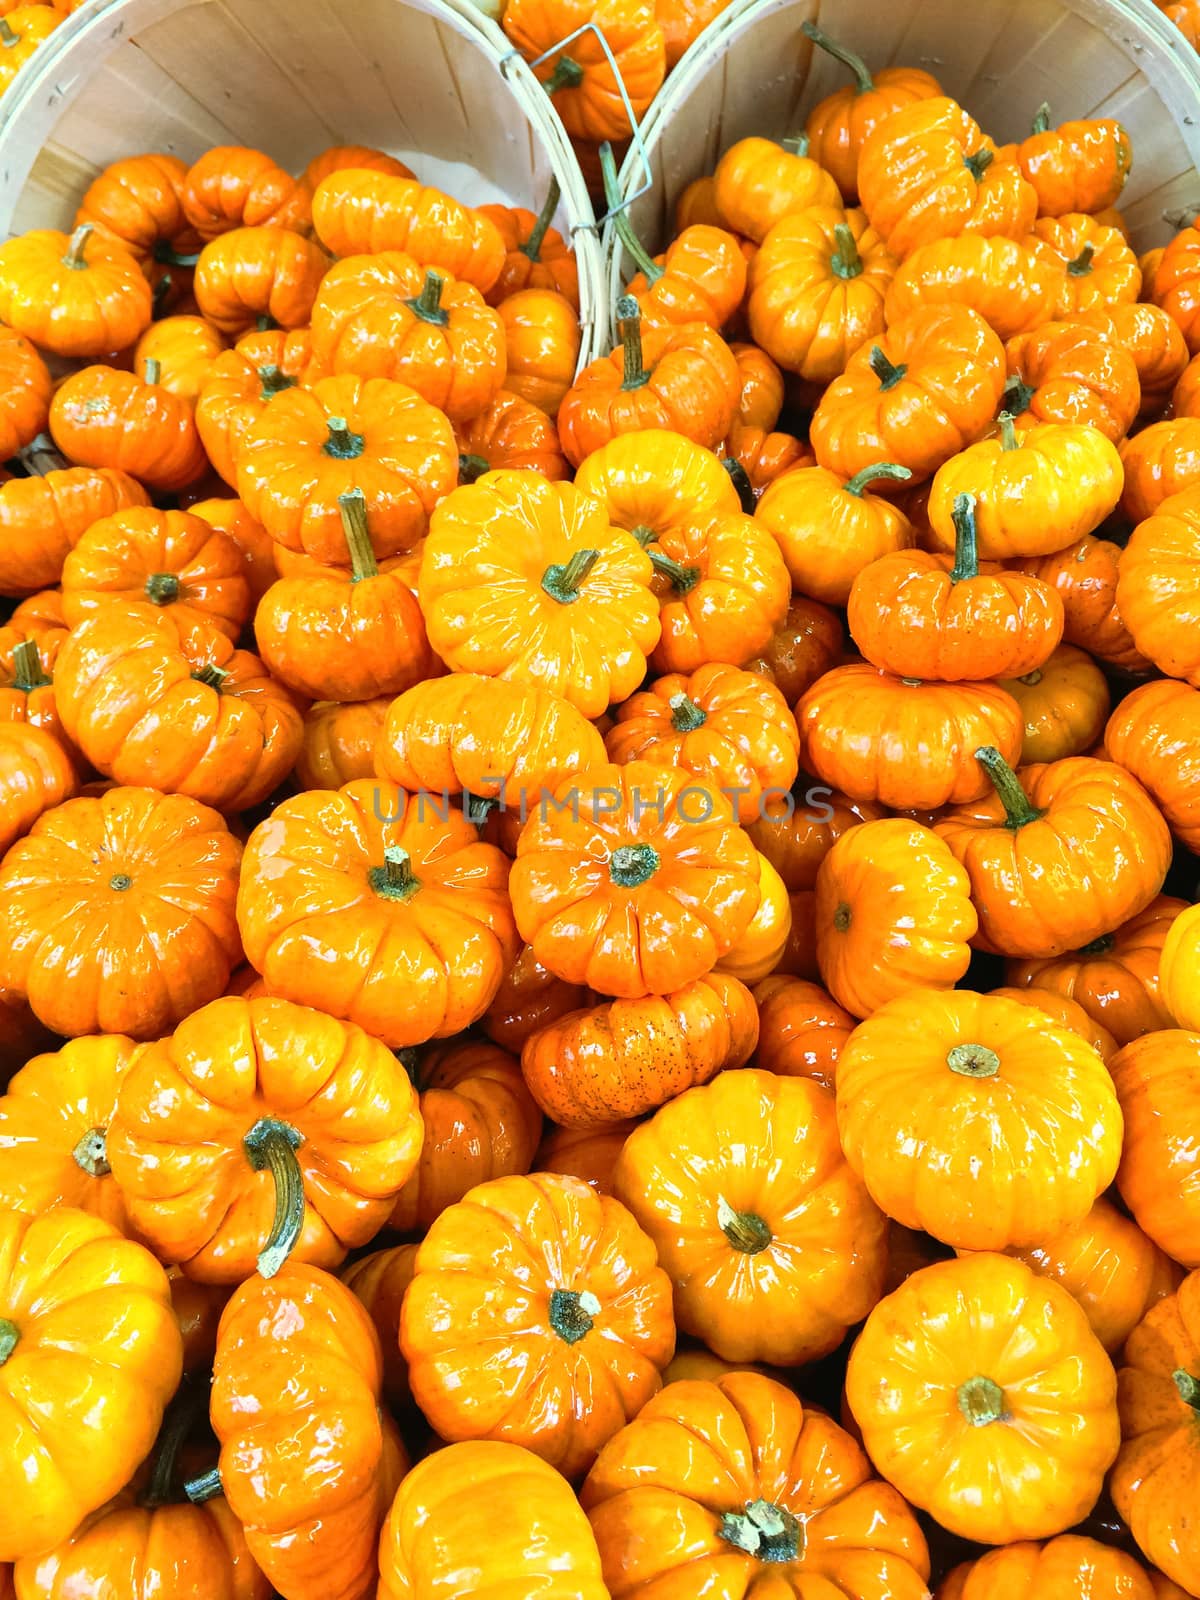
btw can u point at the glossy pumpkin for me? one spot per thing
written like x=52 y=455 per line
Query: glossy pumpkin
x=941 y=1097
x=120 y=913
x=1065 y=703
x=242 y=382
x=357 y=212
x=25 y=401
x=410 y=869
x=1158 y=1081
x=1155 y=1477
x=758 y=182
x=802 y=649
x=1158 y=587
x=36 y=776
x=656 y=482
x=772 y=1244
x=232 y=186
x=43 y=518
x=829 y=530
x=1066 y=372
x=511 y=432
x=92 y=1355
x=309 y=1461
x=76 y=295
x=481 y=1516
x=103 y=418
x=130 y=688
x=589 y=1329
x=185 y=348
x=1086 y=574
x=636 y=880
x=480 y=1123
x=1078 y=166
x=542 y=338
x=380 y=1280
x=893 y=913
x=732 y=1482
x=623 y=1058
x=1002 y=280
x=339 y=742
x=1070 y=1565
x=260 y=1130
x=958 y=1377
x=801 y=1029
x=859 y=729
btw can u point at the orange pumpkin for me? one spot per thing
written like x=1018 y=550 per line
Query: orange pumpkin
x=1066 y=372
x=309 y=1460
x=929 y=172
x=25 y=389
x=27 y=678
x=829 y=530
x=933 y=387
x=480 y=1120
x=840 y=124
x=592 y=83
x=149 y=706
x=1157 y=1472
x=120 y=913
x=656 y=482
x=254 y=544
x=1109 y=1265
x=730 y=727
x=510 y=433
x=312 y=445
x=817 y=287
x=232 y=186
x=139 y=203
x=796 y=831
x=103 y=418
x=742 y=1185
x=1158 y=584
x=758 y=182
x=1160 y=462
x=567 y=1282
x=942 y=1096
x=88 y=1340
x=1152 y=337
x=1094 y=264
x=1155 y=735
x=1109 y=847
x=573 y=613
x=541 y=340
x=252 y=273
x=1065 y=703
x=1064 y=1013
x=802 y=649
x=36 y=775
x=260 y=1130
x=732 y=1483
x=763 y=457
x=352 y=157
x=957 y=1379
x=860 y=730
x=1086 y=574
x=623 y=1058
x=680 y=378
x=1158 y=1081
x=801 y=1029
x=412 y=868
x=339 y=742
x=763 y=946
x=1001 y=280
x=893 y=913
x=700 y=278
x=919 y=616
x=169 y=559
x=380 y=1281
x=1078 y=166
x=1173 y=283
x=536 y=255
x=1069 y=1565
x=185 y=350
x=528 y=998
x=634 y=880
x=241 y=383
x=76 y=295
x=358 y=212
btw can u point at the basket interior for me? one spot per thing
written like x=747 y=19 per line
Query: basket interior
x=756 y=73
x=288 y=76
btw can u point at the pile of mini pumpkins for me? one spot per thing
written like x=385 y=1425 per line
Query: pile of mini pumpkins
x=598 y=994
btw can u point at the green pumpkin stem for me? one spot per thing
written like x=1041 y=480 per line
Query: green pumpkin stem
x=27 y=667
x=845 y=261
x=767 y=1531
x=686 y=715
x=185 y=1410
x=1008 y=431
x=166 y=257
x=978 y=163
x=162 y=588
x=966 y=539
x=572 y=1314
x=427 y=306
x=1041 y=119
x=981 y=1401
x=973 y=1061
x=210 y=675
x=342 y=444
x=352 y=507
x=839 y=52
x=745 y=1230
x=206 y=1487
x=882 y=469
x=272 y=381
x=1016 y=802
x=740 y=479
x=10 y=1338
x=561 y=582
x=1082 y=265
x=395 y=879
x=681 y=578
x=76 y=245
x=620 y=217
x=796 y=144
x=567 y=74
x=1098 y=947
x=537 y=234
x=471 y=468
x=629 y=320
x=1189 y=1388
x=151 y=371
x=888 y=374
x=1018 y=396
x=631 y=865
x=271 y=1146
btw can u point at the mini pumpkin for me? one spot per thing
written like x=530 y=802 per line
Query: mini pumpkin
x=510 y=432
x=232 y=186
x=1078 y=166
x=772 y=1244
x=830 y=530
x=1152 y=337
x=1067 y=372
x=758 y=183
x=958 y=1377
x=339 y=742
x=1065 y=702
x=536 y=254
x=1086 y=574
x=1155 y=734
x=589 y=1330
x=1160 y=462
x=185 y=348
x=251 y=273
x=103 y=418
x=241 y=383
x=380 y=1281
x=77 y=295
x=1158 y=585
x=36 y=775
x=807 y=643
x=1172 y=285
x=138 y=201
x=1002 y=280
x=655 y=482
x=1070 y=1564
x=1094 y=264
x=1158 y=1081
x=541 y=341
x=801 y=1029
x=25 y=393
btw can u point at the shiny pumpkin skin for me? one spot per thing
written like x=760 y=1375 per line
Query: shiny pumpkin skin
x=238 y=1068
x=977 y=1368
x=933 y=1089
x=1115 y=978
x=478 y=1517
x=746 y=1237
x=339 y=742
x=480 y=1120
x=97 y=1356
x=435 y=907
x=624 y=1058
x=731 y=1486
x=1086 y=574
x=1157 y=1473
x=1155 y=735
x=36 y=775
x=1065 y=702
x=1157 y=1078
x=801 y=1029
x=43 y=518
x=588 y=1329
x=380 y=1280
x=1157 y=586
x=1072 y=1567
x=309 y=1460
